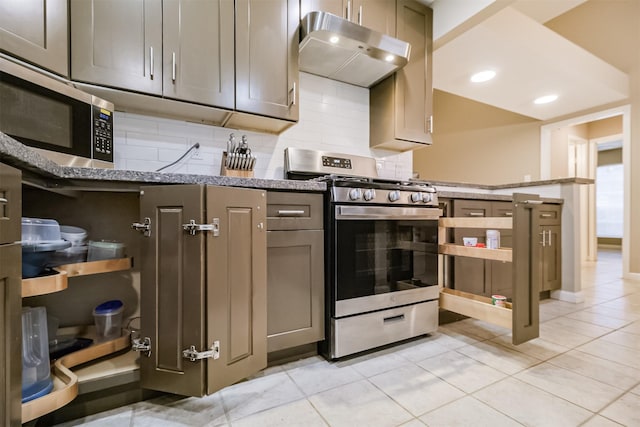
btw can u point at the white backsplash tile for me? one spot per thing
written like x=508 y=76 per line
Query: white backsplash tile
x=334 y=116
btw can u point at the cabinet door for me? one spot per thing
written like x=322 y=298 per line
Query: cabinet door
x=295 y=288
x=331 y=6
x=10 y=289
x=401 y=105
x=36 y=31
x=378 y=15
x=470 y=274
x=198 y=51
x=551 y=256
x=206 y=289
x=173 y=290
x=267 y=57
x=413 y=81
x=236 y=284
x=10 y=336
x=117 y=43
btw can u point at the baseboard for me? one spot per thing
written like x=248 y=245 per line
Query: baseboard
x=572 y=297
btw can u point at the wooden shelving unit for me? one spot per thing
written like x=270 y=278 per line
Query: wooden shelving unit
x=65 y=382
x=476 y=306
x=57 y=282
x=521 y=316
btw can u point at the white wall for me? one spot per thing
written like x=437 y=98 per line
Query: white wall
x=334 y=116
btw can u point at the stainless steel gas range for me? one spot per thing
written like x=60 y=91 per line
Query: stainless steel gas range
x=381 y=252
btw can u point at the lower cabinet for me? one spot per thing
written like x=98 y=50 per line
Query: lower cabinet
x=295 y=270
x=10 y=307
x=490 y=277
x=550 y=233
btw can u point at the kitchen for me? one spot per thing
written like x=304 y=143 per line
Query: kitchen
x=322 y=120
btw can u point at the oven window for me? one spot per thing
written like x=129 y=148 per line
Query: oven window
x=380 y=256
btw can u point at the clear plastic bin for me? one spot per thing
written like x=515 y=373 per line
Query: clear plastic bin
x=36 y=230
x=36 y=374
x=104 y=249
x=108 y=319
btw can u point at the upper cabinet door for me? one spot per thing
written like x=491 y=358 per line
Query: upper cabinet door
x=413 y=82
x=236 y=284
x=36 y=31
x=117 y=43
x=378 y=15
x=267 y=57
x=198 y=46
x=331 y=6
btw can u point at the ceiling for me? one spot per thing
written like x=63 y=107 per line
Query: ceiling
x=530 y=60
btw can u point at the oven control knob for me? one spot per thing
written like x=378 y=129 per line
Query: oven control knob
x=355 y=194
x=416 y=197
x=427 y=197
x=369 y=194
x=394 y=196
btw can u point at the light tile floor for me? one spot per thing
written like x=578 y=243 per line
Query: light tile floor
x=583 y=370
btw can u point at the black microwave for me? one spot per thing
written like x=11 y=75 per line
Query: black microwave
x=59 y=121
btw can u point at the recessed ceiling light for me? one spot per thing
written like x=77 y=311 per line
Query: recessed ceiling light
x=388 y=58
x=545 y=99
x=334 y=39
x=483 y=76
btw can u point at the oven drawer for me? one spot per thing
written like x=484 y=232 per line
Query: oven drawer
x=363 y=332
x=294 y=211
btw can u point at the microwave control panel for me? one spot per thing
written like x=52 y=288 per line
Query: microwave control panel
x=102 y=134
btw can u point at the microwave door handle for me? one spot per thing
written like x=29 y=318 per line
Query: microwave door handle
x=151 y=62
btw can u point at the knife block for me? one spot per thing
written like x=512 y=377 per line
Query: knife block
x=224 y=171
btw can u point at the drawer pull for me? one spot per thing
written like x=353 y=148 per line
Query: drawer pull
x=546 y=215
x=476 y=213
x=508 y=214
x=397 y=318
x=3 y=200
x=290 y=212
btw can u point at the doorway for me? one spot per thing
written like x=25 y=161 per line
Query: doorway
x=588 y=207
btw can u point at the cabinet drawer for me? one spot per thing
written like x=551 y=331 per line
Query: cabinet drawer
x=471 y=208
x=550 y=214
x=294 y=211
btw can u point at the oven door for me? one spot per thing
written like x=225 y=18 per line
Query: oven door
x=384 y=257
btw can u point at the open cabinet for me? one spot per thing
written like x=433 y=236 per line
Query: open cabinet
x=203 y=287
x=521 y=315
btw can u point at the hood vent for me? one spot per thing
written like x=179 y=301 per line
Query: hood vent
x=336 y=48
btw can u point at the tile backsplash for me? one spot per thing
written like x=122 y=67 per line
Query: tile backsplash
x=334 y=116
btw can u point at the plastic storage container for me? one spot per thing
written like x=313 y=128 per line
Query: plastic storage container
x=493 y=239
x=76 y=235
x=36 y=374
x=105 y=250
x=108 y=319
x=40 y=238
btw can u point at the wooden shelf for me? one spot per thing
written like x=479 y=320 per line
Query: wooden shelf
x=476 y=306
x=57 y=282
x=96 y=267
x=502 y=254
x=65 y=382
x=44 y=284
x=479 y=222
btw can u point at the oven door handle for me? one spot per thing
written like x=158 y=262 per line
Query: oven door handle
x=387 y=212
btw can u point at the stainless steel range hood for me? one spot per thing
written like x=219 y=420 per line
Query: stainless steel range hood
x=336 y=48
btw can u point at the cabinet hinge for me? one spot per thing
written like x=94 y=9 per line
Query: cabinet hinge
x=193 y=228
x=193 y=355
x=143 y=227
x=142 y=345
